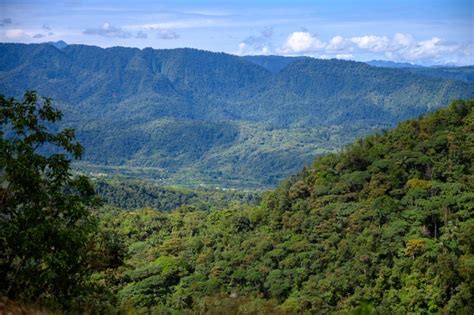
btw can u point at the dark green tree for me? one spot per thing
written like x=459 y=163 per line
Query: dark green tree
x=46 y=227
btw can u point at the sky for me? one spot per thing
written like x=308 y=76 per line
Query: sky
x=426 y=32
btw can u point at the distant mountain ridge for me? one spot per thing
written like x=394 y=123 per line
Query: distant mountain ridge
x=192 y=116
x=465 y=73
x=59 y=44
x=392 y=64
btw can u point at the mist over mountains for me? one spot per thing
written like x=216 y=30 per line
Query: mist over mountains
x=195 y=117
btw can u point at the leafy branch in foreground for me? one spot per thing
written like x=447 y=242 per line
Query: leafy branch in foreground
x=46 y=227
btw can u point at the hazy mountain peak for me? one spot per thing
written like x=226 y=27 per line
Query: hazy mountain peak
x=59 y=44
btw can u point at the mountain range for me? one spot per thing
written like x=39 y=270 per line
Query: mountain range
x=192 y=117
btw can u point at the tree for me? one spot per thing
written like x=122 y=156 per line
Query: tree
x=46 y=227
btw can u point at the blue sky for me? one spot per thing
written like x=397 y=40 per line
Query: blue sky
x=423 y=32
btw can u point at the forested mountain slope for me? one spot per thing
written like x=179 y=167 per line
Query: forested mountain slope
x=465 y=74
x=133 y=194
x=386 y=225
x=187 y=116
x=392 y=64
x=272 y=63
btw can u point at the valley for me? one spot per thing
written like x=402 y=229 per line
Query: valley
x=189 y=117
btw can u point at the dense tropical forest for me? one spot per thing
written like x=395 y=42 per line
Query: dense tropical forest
x=384 y=226
x=133 y=194
x=465 y=73
x=189 y=117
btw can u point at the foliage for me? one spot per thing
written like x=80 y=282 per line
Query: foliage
x=384 y=227
x=132 y=194
x=46 y=227
x=465 y=74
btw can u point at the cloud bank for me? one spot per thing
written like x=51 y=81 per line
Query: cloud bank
x=400 y=47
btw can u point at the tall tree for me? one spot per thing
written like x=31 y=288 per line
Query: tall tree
x=46 y=227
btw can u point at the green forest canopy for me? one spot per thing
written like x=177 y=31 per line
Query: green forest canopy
x=386 y=226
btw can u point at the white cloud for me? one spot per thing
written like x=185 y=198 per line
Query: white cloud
x=16 y=33
x=399 y=47
x=242 y=49
x=372 y=43
x=302 y=42
x=265 y=50
x=402 y=40
x=433 y=50
x=338 y=43
x=430 y=48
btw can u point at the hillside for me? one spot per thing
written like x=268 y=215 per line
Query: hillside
x=465 y=73
x=384 y=226
x=133 y=194
x=190 y=117
x=392 y=64
x=272 y=63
